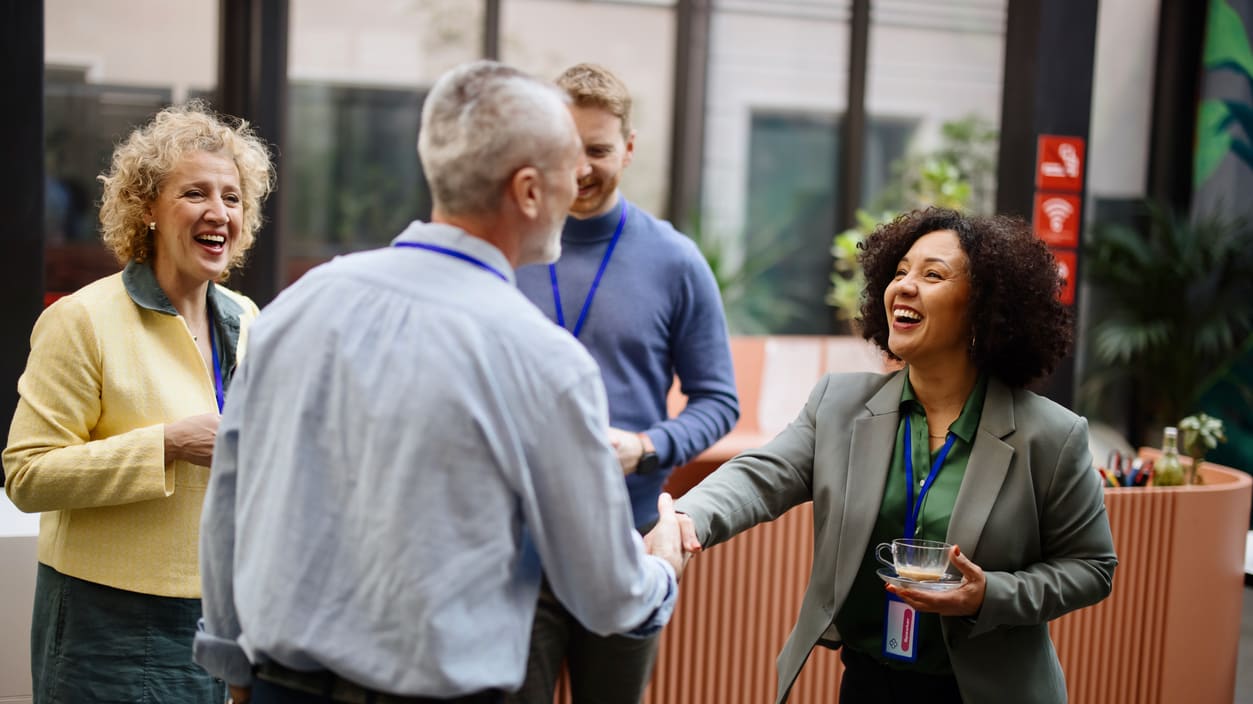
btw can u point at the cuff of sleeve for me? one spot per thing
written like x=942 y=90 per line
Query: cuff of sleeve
x=222 y=658
x=662 y=446
x=661 y=615
x=996 y=592
x=152 y=439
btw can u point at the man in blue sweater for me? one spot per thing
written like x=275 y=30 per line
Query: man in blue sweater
x=642 y=300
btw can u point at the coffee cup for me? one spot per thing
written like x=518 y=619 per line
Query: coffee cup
x=915 y=559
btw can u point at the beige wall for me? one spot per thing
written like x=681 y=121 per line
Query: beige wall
x=158 y=43
x=1122 y=98
x=394 y=44
x=635 y=41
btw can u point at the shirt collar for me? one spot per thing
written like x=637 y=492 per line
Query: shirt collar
x=141 y=285
x=968 y=422
x=457 y=239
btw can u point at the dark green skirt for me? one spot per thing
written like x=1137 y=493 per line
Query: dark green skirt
x=92 y=643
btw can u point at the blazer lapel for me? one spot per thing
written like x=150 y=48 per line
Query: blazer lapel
x=985 y=472
x=870 y=458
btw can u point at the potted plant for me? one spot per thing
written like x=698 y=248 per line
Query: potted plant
x=1174 y=311
x=1201 y=433
x=959 y=174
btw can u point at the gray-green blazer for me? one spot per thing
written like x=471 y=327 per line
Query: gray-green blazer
x=1030 y=512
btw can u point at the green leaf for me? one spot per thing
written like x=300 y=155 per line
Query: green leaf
x=1120 y=341
x=1226 y=39
x=1244 y=150
x=1213 y=141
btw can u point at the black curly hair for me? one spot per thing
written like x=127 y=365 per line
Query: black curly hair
x=1021 y=329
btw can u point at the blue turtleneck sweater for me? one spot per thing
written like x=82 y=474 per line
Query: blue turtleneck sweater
x=656 y=314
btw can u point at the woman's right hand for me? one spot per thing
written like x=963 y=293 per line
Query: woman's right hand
x=192 y=438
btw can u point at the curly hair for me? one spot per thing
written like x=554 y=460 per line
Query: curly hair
x=146 y=158
x=1020 y=327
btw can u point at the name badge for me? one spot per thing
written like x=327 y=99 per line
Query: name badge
x=900 y=630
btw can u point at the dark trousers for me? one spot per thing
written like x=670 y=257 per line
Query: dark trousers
x=868 y=681
x=603 y=669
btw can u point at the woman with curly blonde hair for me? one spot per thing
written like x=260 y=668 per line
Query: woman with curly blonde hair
x=113 y=436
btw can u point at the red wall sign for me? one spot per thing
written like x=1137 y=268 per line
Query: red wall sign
x=1056 y=219
x=1067 y=266
x=1059 y=163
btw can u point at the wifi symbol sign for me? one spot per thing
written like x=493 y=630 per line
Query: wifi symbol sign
x=1057 y=210
x=1057 y=219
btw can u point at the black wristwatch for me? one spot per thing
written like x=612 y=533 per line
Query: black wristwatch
x=648 y=461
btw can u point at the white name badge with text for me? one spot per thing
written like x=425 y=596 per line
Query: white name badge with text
x=900 y=630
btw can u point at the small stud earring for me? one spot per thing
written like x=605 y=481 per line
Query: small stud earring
x=152 y=226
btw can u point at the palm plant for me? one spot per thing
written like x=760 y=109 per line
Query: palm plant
x=752 y=306
x=1178 y=309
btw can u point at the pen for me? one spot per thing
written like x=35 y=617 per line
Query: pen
x=1134 y=473
x=1107 y=476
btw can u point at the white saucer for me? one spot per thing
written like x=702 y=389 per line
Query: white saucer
x=944 y=584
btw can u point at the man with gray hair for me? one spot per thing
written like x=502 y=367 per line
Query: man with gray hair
x=392 y=464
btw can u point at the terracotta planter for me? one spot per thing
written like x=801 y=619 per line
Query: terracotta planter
x=1169 y=631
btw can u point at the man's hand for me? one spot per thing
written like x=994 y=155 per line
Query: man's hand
x=629 y=448
x=664 y=540
x=240 y=695
x=965 y=600
x=191 y=439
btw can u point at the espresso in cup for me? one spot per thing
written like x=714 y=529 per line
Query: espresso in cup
x=915 y=559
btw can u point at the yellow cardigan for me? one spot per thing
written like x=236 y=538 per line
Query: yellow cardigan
x=109 y=366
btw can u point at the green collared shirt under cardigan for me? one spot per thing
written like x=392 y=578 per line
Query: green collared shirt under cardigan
x=861 y=619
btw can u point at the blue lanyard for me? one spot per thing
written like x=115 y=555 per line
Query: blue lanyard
x=913 y=510
x=456 y=255
x=217 y=368
x=591 y=293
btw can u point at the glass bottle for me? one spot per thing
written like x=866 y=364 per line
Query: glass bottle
x=1168 y=470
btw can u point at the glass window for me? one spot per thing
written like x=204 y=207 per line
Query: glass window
x=108 y=68
x=635 y=40
x=792 y=175
x=351 y=176
x=939 y=66
x=777 y=84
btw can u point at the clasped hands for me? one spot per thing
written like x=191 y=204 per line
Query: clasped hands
x=628 y=447
x=673 y=538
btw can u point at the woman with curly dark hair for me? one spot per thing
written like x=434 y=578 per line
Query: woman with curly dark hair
x=951 y=449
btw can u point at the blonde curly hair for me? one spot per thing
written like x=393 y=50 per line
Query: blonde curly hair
x=147 y=157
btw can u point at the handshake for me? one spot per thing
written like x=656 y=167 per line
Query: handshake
x=673 y=538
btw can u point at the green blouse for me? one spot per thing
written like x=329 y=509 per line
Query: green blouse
x=860 y=621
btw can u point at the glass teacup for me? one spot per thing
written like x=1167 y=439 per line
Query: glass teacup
x=919 y=560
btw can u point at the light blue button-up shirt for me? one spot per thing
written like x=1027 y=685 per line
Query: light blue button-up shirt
x=406 y=436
